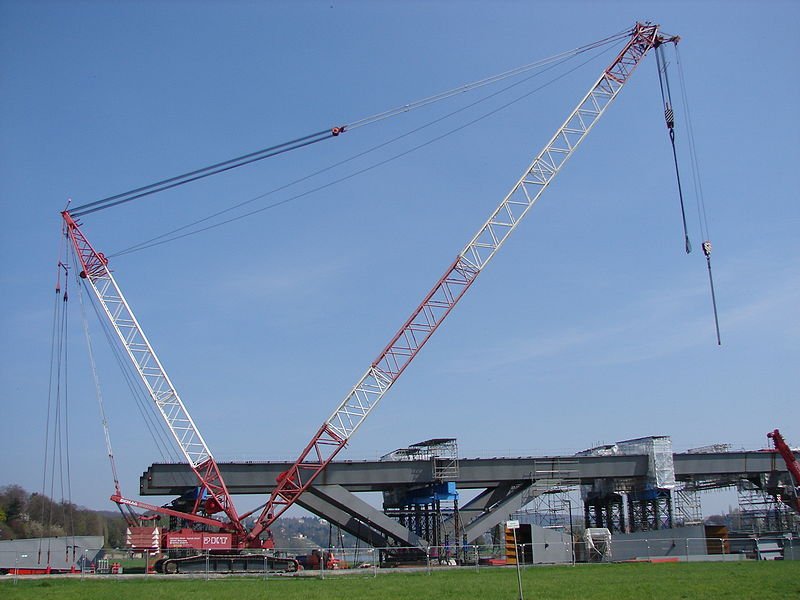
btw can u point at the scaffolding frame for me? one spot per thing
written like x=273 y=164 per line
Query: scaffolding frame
x=761 y=512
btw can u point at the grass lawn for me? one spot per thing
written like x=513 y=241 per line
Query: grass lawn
x=696 y=581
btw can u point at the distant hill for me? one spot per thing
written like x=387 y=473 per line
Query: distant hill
x=308 y=533
x=31 y=515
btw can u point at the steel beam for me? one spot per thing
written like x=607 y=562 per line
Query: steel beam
x=342 y=519
x=518 y=496
x=377 y=476
x=339 y=498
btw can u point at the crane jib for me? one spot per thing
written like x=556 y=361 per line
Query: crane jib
x=332 y=436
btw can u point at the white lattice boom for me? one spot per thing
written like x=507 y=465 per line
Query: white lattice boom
x=96 y=273
x=390 y=363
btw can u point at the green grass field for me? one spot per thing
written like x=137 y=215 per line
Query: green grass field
x=696 y=581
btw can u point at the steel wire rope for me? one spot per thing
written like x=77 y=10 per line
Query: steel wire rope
x=68 y=512
x=149 y=243
x=53 y=344
x=69 y=506
x=53 y=337
x=153 y=422
x=152 y=419
x=699 y=198
x=221 y=167
x=157 y=241
x=666 y=98
x=307 y=140
x=483 y=82
x=57 y=416
x=98 y=391
x=702 y=216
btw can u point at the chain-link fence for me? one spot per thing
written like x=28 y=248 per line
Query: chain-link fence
x=369 y=562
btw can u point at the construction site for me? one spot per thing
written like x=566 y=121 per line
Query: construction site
x=426 y=504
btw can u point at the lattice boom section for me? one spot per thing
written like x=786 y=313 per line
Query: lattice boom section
x=150 y=370
x=155 y=379
x=548 y=163
x=544 y=168
x=644 y=38
x=402 y=349
x=405 y=345
x=425 y=319
x=359 y=402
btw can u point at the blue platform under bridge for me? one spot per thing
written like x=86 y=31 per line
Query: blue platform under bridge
x=425 y=510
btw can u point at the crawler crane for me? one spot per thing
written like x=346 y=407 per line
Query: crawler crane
x=214 y=524
x=792 y=465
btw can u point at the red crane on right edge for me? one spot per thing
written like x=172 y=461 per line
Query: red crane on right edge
x=792 y=464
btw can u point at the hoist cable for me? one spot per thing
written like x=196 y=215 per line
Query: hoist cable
x=203 y=173
x=53 y=345
x=707 y=252
x=698 y=187
x=68 y=507
x=57 y=305
x=152 y=423
x=670 y=119
x=57 y=446
x=663 y=79
x=313 y=138
x=62 y=419
x=98 y=393
x=698 y=184
x=158 y=240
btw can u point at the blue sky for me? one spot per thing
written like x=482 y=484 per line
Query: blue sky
x=591 y=325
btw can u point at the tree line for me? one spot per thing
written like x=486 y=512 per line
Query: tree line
x=32 y=515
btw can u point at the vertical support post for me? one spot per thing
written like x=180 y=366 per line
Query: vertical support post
x=519 y=573
x=571 y=536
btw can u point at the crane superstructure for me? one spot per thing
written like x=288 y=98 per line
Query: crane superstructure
x=212 y=496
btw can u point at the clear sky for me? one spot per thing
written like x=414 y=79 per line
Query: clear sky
x=591 y=325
